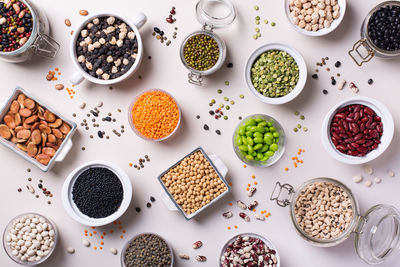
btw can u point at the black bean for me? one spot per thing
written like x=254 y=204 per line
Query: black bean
x=325 y=92
x=337 y=64
x=137 y=209
x=197 y=117
x=218 y=132
x=211 y=112
x=148 y=204
x=205 y=127
x=333 y=81
x=152 y=199
x=229 y=65
x=157 y=30
x=315 y=76
x=370 y=81
x=100 y=134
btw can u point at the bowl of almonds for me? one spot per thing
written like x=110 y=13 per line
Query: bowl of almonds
x=35 y=132
x=315 y=17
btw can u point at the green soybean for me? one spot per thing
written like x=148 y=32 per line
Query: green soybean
x=250 y=141
x=258 y=146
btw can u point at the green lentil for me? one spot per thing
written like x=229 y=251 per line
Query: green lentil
x=147 y=250
x=257 y=22
x=201 y=52
x=241 y=96
x=296 y=113
x=275 y=73
x=273 y=24
x=226 y=99
x=257 y=29
x=219 y=91
x=232 y=102
x=302 y=117
x=256 y=7
x=295 y=130
x=305 y=129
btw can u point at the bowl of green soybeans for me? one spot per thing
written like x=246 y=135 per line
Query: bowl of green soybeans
x=276 y=73
x=259 y=140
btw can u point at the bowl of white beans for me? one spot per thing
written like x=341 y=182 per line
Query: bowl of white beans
x=30 y=239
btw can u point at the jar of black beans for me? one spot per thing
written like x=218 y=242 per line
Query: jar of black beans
x=384 y=27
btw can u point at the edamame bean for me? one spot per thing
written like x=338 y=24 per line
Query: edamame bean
x=249 y=134
x=269 y=153
x=264 y=148
x=273 y=147
x=260 y=156
x=243 y=148
x=244 y=140
x=263 y=124
x=258 y=140
x=238 y=141
x=250 y=141
x=249 y=157
x=258 y=146
x=257 y=134
x=250 y=149
x=268 y=140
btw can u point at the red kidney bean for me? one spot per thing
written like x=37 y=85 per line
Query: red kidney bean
x=356 y=130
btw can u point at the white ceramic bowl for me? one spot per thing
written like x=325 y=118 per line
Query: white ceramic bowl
x=302 y=73
x=71 y=208
x=8 y=249
x=324 y=31
x=127 y=244
x=130 y=119
x=386 y=138
x=264 y=239
x=136 y=23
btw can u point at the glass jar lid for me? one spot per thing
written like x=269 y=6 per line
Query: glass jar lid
x=215 y=13
x=378 y=234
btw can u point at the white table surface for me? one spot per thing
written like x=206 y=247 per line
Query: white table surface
x=165 y=71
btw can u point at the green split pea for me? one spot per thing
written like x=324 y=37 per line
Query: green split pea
x=275 y=73
x=257 y=139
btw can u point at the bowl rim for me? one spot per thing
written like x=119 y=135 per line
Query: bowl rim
x=388 y=130
x=6 y=247
x=253 y=162
x=132 y=69
x=71 y=208
x=300 y=63
x=266 y=240
x=335 y=24
x=133 y=127
x=146 y=233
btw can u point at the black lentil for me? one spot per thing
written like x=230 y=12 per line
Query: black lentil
x=229 y=65
x=97 y=192
x=333 y=81
x=370 y=81
x=100 y=134
x=147 y=250
x=138 y=209
x=218 y=132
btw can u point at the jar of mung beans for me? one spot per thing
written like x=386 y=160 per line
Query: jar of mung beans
x=325 y=213
x=372 y=31
x=203 y=52
x=36 y=40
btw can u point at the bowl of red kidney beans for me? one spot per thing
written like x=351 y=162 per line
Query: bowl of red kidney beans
x=357 y=130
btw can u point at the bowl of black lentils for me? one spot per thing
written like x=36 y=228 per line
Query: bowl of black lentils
x=107 y=48
x=276 y=73
x=96 y=193
x=147 y=249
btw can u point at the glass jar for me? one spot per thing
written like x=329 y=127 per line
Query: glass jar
x=39 y=43
x=365 y=49
x=377 y=232
x=212 y=14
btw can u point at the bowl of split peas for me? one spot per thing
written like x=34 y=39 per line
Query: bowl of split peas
x=259 y=140
x=154 y=115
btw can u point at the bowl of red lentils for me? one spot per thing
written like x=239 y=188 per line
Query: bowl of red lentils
x=154 y=115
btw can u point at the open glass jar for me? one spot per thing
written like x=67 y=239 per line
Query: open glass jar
x=211 y=14
x=365 y=48
x=377 y=232
x=38 y=43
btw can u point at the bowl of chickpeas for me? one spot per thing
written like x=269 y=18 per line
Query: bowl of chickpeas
x=194 y=183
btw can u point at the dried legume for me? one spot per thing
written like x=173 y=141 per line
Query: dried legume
x=201 y=52
x=274 y=73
